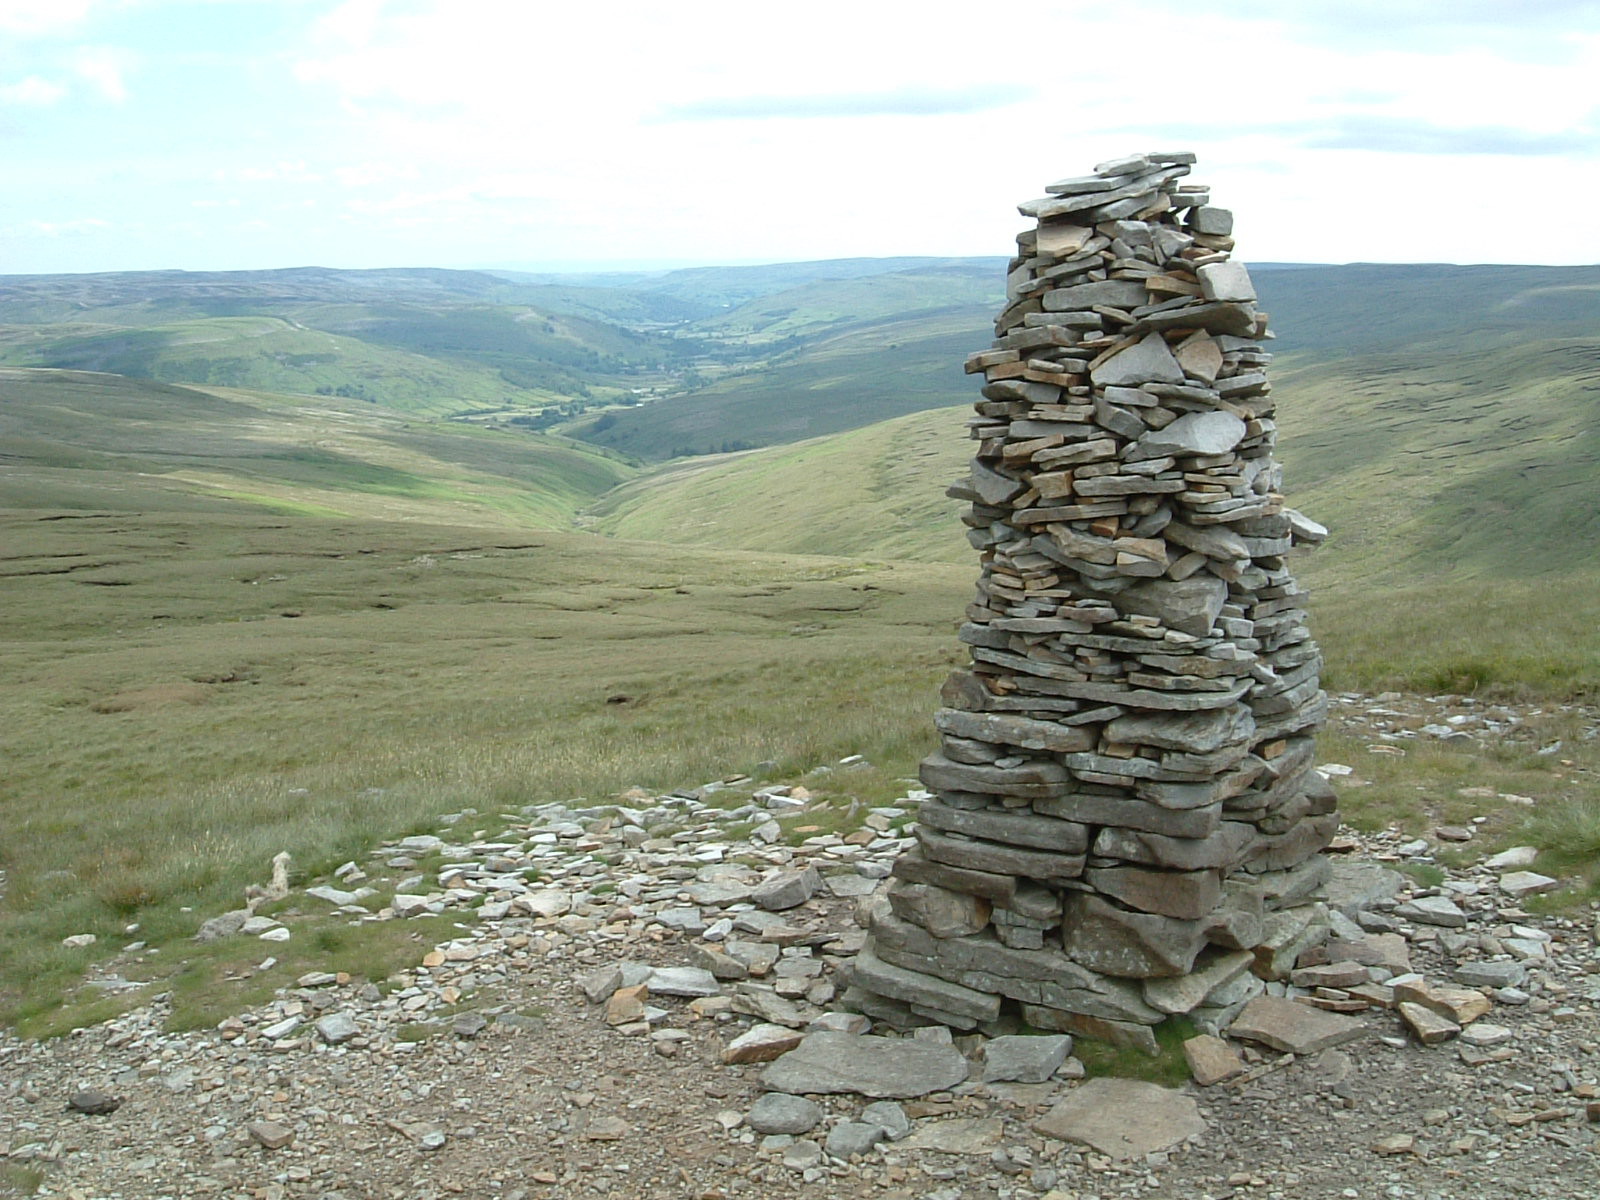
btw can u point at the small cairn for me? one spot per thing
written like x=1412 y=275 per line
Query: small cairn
x=1125 y=822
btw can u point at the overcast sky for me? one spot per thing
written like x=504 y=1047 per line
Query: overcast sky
x=209 y=134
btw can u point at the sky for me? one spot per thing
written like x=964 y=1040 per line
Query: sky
x=248 y=134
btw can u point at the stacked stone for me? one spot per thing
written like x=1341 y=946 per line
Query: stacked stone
x=1125 y=822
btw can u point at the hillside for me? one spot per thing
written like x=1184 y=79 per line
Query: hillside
x=829 y=385
x=846 y=353
x=874 y=493
x=439 y=342
x=1363 y=308
x=85 y=441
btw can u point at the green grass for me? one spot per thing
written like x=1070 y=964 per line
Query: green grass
x=218 y=979
x=1569 y=833
x=1167 y=1067
x=882 y=496
x=17 y=1180
x=165 y=738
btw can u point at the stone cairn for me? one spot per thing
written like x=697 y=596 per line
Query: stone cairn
x=1125 y=822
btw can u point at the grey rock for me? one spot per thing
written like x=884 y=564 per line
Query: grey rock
x=224 y=925
x=1227 y=281
x=850 y=1138
x=1147 y=361
x=1294 y=1028
x=93 y=1102
x=1207 y=983
x=789 y=889
x=779 y=1112
x=959 y=1135
x=1099 y=935
x=1491 y=974
x=337 y=1028
x=942 y=912
x=1527 y=883
x=889 y=1117
x=1215 y=221
x=1186 y=894
x=1358 y=884
x=333 y=895
x=1024 y=1059
x=1208 y=433
x=691 y=982
x=1190 y=606
x=1514 y=858
x=1123 y=1118
x=1433 y=910
x=598 y=984
x=1016 y=827
x=830 y=1063
x=1038 y=778
x=999 y=859
x=918 y=989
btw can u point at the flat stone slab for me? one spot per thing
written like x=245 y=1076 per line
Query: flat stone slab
x=959 y=1135
x=1123 y=1118
x=1357 y=884
x=1293 y=1027
x=828 y=1063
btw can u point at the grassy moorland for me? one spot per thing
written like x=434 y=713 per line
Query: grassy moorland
x=186 y=694
x=238 y=622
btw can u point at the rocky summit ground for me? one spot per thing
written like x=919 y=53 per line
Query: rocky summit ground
x=574 y=1039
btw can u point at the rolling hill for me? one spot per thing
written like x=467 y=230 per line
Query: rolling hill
x=76 y=440
x=1473 y=464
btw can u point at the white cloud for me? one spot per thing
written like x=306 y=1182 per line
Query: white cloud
x=32 y=92
x=103 y=67
x=37 y=18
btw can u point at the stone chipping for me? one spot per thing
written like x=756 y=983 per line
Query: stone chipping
x=1124 y=794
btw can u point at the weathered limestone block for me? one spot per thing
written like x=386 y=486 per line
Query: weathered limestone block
x=1189 y=895
x=942 y=912
x=1025 y=733
x=1099 y=935
x=1224 y=849
x=1021 y=827
x=914 y=868
x=1197 y=733
x=1094 y=808
x=1040 y=778
x=995 y=858
x=916 y=988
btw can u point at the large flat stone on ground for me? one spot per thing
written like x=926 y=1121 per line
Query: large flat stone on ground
x=1123 y=1118
x=958 y=1135
x=1293 y=1027
x=883 y=1068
